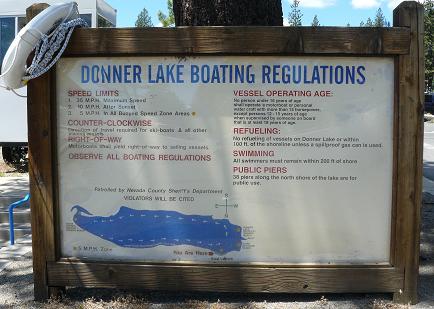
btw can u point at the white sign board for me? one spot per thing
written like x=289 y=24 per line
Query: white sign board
x=229 y=159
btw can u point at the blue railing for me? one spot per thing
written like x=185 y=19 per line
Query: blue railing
x=11 y=217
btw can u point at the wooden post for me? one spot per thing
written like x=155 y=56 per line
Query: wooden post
x=40 y=174
x=410 y=72
x=34 y=10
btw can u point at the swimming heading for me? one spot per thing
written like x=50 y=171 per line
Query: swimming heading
x=223 y=74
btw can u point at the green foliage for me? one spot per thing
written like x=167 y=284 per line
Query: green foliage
x=295 y=15
x=144 y=20
x=429 y=44
x=167 y=20
x=380 y=20
x=315 y=21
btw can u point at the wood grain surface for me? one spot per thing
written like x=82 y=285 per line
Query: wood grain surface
x=226 y=279
x=40 y=173
x=410 y=81
x=240 y=40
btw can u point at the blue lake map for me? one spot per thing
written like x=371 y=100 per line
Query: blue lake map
x=132 y=228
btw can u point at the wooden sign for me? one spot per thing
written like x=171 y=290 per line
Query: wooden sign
x=206 y=159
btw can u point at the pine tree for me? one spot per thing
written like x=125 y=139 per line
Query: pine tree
x=295 y=15
x=167 y=20
x=429 y=44
x=144 y=20
x=228 y=13
x=315 y=21
x=380 y=20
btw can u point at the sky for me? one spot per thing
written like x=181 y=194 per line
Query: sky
x=330 y=12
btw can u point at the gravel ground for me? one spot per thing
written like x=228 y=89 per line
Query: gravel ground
x=16 y=290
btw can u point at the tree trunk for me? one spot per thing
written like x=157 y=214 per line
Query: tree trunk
x=228 y=12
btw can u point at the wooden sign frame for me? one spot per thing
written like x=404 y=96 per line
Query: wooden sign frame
x=403 y=42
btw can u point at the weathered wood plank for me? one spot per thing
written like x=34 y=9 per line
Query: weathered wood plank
x=40 y=174
x=225 y=278
x=410 y=150
x=239 y=40
x=34 y=10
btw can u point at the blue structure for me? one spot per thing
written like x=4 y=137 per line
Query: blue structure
x=11 y=217
x=132 y=228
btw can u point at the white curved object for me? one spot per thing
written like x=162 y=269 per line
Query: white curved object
x=14 y=62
